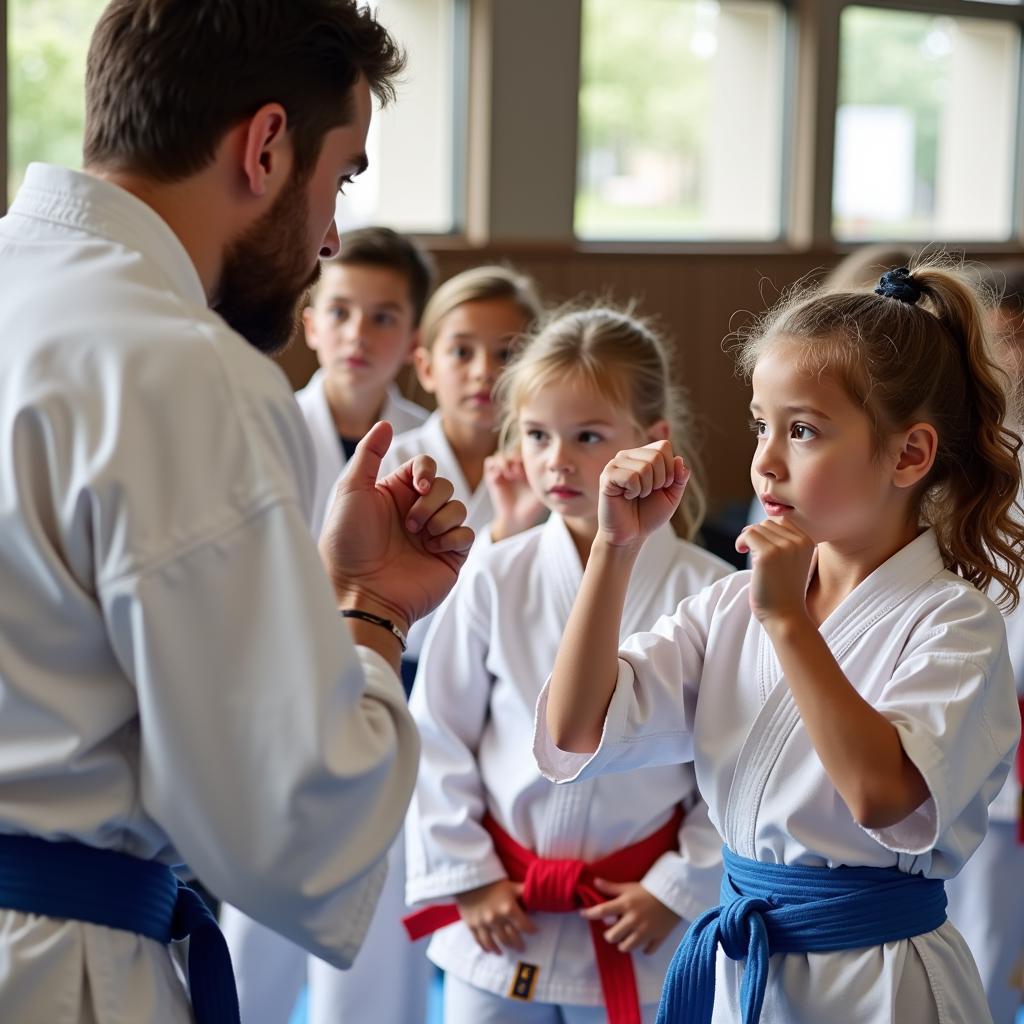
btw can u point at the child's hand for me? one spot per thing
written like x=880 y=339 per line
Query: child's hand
x=494 y=915
x=640 y=490
x=781 y=556
x=516 y=507
x=644 y=922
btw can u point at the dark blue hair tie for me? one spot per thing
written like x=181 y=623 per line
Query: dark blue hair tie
x=899 y=284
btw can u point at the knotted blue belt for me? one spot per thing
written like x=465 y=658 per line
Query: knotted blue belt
x=780 y=908
x=76 y=882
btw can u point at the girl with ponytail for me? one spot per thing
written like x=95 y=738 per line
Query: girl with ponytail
x=848 y=703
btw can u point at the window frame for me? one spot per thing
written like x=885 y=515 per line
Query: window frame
x=810 y=90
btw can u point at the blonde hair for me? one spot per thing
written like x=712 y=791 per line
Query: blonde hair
x=926 y=360
x=626 y=362
x=480 y=284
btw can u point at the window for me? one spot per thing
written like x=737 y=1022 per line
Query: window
x=415 y=146
x=681 y=119
x=926 y=126
x=47 y=41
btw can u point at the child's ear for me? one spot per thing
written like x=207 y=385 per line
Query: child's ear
x=916 y=455
x=414 y=343
x=309 y=328
x=424 y=368
x=660 y=430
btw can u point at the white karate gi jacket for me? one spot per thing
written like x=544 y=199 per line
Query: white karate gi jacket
x=928 y=651
x=330 y=458
x=489 y=650
x=175 y=682
x=269 y=970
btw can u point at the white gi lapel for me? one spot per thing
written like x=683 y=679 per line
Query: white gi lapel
x=892 y=583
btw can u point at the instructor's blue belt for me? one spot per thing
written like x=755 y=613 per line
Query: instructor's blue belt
x=76 y=882
x=781 y=908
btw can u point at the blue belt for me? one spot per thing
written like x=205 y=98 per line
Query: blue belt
x=779 y=908
x=76 y=882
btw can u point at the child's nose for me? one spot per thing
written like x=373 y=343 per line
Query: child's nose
x=487 y=366
x=767 y=461
x=558 y=454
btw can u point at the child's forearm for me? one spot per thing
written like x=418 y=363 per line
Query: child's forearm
x=586 y=667
x=859 y=747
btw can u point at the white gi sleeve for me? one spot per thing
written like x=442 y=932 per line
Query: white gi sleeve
x=447 y=848
x=688 y=882
x=278 y=757
x=650 y=717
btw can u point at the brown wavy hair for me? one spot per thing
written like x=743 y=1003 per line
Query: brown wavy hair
x=928 y=361
x=626 y=361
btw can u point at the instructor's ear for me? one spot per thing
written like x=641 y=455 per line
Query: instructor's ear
x=267 y=150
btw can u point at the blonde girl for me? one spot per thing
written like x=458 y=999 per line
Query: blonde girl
x=848 y=703
x=559 y=902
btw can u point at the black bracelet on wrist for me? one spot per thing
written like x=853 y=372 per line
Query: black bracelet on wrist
x=377 y=620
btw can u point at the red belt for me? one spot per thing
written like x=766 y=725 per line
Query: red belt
x=563 y=886
x=1020 y=776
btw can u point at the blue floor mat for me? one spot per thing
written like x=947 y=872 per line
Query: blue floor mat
x=435 y=1003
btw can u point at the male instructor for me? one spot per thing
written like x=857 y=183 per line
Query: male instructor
x=176 y=681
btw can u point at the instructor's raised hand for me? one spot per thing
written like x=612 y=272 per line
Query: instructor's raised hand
x=396 y=544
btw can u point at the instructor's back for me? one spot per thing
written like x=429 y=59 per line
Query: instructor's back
x=184 y=677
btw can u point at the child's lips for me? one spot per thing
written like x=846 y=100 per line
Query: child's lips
x=564 y=492
x=355 y=362
x=774 y=507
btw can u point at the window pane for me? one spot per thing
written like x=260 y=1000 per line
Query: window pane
x=47 y=42
x=410 y=184
x=681 y=123
x=926 y=130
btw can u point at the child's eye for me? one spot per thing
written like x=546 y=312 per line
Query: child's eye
x=590 y=437
x=462 y=352
x=802 y=432
x=535 y=435
x=757 y=427
x=504 y=356
x=385 y=320
x=339 y=314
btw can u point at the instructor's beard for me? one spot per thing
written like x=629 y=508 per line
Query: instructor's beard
x=266 y=272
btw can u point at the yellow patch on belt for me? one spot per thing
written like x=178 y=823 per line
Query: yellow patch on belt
x=524 y=982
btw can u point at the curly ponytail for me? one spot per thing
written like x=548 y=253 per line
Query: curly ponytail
x=917 y=349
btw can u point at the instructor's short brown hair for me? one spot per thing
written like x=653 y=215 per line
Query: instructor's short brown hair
x=166 y=79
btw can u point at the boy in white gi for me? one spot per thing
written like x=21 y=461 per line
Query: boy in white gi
x=848 y=703
x=363 y=323
x=177 y=683
x=484 y=827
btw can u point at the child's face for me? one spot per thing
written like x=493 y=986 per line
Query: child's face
x=473 y=344
x=815 y=462
x=569 y=433
x=361 y=325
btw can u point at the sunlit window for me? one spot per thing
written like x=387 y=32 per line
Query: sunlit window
x=926 y=126
x=415 y=145
x=681 y=119
x=47 y=41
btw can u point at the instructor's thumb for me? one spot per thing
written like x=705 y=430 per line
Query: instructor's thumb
x=364 y=466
